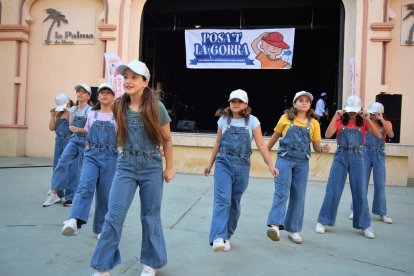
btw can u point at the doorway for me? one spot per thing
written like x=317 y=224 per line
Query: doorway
x=195 y=94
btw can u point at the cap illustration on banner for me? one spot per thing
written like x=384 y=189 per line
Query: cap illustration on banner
x=61 y=101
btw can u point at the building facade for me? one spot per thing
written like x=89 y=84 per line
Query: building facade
x=40 y=60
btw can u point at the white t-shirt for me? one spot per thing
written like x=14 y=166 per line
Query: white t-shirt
x=320 y=108
x=253 y=123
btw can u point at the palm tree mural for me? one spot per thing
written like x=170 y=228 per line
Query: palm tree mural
x=57 y=18
x=410 y=8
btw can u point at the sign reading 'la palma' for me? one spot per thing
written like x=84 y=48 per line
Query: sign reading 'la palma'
x=69 y=26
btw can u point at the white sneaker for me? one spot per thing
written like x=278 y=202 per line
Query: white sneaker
x=368 y=233
x=218 y=245
x=295 y=237
x=273 y=233
x=386 y=219
x=227 y=246
x=320 y=228
x=69 y=228
x=101 y=273
x=51 y=199
x=148 y=271
x=351 y=216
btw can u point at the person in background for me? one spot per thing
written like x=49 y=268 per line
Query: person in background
x=321 y=110
x=74 y=149
x=350 y=126
x=299 y=129
x=143 y=125
x=59 y=123
x=374 y=151
x=231 y=153
x=98 y=167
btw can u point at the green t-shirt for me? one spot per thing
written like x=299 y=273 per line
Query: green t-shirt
x=162 y=114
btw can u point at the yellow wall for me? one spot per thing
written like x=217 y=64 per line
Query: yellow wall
x=54 y=69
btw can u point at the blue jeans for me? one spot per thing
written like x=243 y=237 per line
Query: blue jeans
x=291 y=183
x=132 y=171
x=375 y=160
x=73 y=151
x=73 y=170
x=344 y=162
x=97 y=172
x=231 y=177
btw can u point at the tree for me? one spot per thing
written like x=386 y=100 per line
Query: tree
x=57 y=18
x=410 y=8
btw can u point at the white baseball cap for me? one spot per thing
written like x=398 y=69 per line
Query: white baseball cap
x=106 y=85
x=61 y=101
x=303 y=93
x=376 y=107
x=137 y=66
x=239 y=94
x=324 y=94
x=353 y=104
x=84 y=86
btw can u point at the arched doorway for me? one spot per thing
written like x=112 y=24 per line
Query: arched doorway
x=196 y=94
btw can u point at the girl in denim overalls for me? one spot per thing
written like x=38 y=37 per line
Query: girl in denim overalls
x=299 y=129
x=350 y=126
x=143 y=125
x=59 y=123
x=374 y=151
x=231 y=152
x=74 y=149
x=98 y=165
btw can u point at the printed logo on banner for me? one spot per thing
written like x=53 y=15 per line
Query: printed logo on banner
x=243 y=49
x=221 y=47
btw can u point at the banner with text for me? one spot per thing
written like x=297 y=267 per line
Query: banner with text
x=112 y=77
x=239 y=49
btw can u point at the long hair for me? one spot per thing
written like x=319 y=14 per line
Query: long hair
x=226 y=111
x=292 y=112
x=345 y=120
x=149 y=111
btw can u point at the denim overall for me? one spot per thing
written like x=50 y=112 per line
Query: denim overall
x=375 y=158
x=293 y=164
x=74 y=149
x=98 y=170
x=348 y=158
x=139 y=164
x=231 y=177
x=62 y=138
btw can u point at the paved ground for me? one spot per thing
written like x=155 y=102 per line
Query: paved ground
x=31 y=242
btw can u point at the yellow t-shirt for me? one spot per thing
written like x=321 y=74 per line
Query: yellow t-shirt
x=284 y=124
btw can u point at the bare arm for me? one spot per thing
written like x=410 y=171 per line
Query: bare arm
x=319 y=148
x=207 y=169
x=169 y=172
x=264 y=151
x=372 y=128
x=52 y=120
x=255 y=42
x=273 y=140
x=388 y=130
x=331 y=130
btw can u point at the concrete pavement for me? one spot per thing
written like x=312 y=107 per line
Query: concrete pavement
x=31 y=242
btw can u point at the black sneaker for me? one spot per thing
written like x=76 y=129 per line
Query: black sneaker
x=67 y=203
